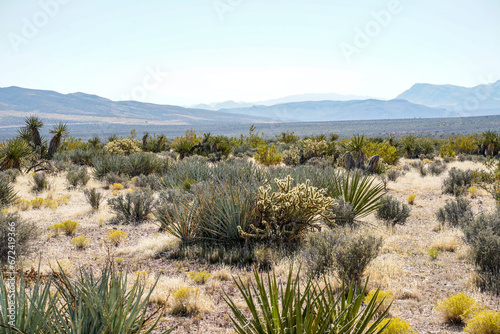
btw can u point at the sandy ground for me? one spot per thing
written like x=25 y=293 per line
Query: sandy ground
x=403 y=266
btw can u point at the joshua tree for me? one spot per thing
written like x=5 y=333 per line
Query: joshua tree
x=59 y=131
x=14 y=154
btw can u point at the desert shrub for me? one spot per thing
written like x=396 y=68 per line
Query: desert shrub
x=7 y=193
x=184 y=144
x=314 y=148
x=243 y=150
x=123 y=146
x=287 y=137
x=455 y=212
x=437 y=167
x=93 y=197
x=199 y=277
x=393 y=174
x=433 y=253
x=37 y=202
x=455 y=307
x=184 y=301
x=68 y=227
x=385 y=150
x=458 y=181
x=307 y=308
x=77 y=176
x=393 y=212
x=10 y=175
x=21 y=242
x=483 y=235
x=268 y=155
x=290 y=212
x=113 y=178
x=411 y=199
x=395 y=326
x=422 y=169
x=265 y=257
x=473 y=191
x=147 y=181
x=319 y=252
x=489 y=179
x=132 y=207
x=344 y=213
x=40 y=182
x=484 y=322
x=145 y=164
x=116 y=237
x=292 y=156
x=353 y=254
x=80 y=242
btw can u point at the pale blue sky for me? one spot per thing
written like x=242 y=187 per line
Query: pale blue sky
x=245 y=50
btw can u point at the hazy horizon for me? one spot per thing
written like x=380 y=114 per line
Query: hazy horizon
x=217 y=50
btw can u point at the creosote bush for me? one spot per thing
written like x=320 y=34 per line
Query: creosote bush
x=455 y=212
x=268 y=155
x=393 y=212
x=94 y=198
x=40 y=182
x=22 y=240
x=458 y=181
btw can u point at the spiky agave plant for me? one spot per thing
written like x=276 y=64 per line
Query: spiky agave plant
x=14 y=154
x=29 y=308
x=104 y=304
x=287 y=308
x=357 y=190
x=7 y=193
x=60 y=130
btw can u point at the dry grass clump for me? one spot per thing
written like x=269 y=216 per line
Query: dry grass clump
x=448 y=241
x=150 y=246
x=189 y=300
x=222 y=275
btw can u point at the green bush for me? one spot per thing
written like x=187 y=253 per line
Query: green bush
x=93 y=197
x=292 y=307
x=78 y=176
x=483 y=235
x=458 y=181
x=393 y=212
x=21 y=243
x=268 y=155
x=40 y=182
x=123 y=146
x=318 y=252
x=132 y=207
x=437 y=167
x=353 y=254
x=455 y=212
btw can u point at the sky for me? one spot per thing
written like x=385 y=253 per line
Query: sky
x=201 y=51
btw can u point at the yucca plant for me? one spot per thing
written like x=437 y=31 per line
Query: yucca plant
x=31 y=309
x=286 y=308
x=133 y=207
x=15 y=153
x=179 y=219
x=358 y=191
x=7 y=193
x=33 y=125
x=109 y=164
x=60 y=130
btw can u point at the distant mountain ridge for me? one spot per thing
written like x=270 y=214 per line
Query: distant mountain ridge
x=16 y=103
x=342 y=110
x=474 y=101
x=287 y=99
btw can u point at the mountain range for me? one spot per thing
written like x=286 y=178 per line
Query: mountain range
x=420 y=101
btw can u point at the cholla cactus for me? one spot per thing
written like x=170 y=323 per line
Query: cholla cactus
x=291 y=157
x=290 y=212
x=124 y=146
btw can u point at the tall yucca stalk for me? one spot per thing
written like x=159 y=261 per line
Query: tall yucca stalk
x=59 y=132
x=287 y=308
x=358 y=190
